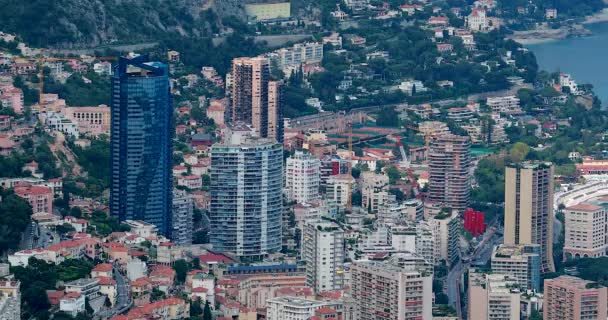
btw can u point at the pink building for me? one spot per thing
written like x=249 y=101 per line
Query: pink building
x=572 y=298
x=12 y=97
x=39 y=197
x=190 y=182
x=91 y=120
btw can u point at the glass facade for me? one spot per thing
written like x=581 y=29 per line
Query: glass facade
x=141 y=143
x=246 y=197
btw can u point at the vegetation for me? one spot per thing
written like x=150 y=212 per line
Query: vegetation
x=96 y=161
x=15 y=215
x=77 y=92
x=40 y=276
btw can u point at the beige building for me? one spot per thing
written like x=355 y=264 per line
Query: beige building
x=339 y=188
x=387 y=291
x=522 y=262
x=585 y=225
x=571 y=298
x=529 y=208
x=90 y=120
x=495 y=297
x=446 y=232
x=250 y=92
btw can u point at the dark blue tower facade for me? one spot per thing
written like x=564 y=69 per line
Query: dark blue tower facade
x=141 y=143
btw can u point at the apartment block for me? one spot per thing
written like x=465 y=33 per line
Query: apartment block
x=323 y=252
x=384 y=290
x=494 y=297
x=374 y=190
x=585 y=226
x=571 y=298
x=449 y=171
x=522 y=262
x=529 y=208
x=302 y=177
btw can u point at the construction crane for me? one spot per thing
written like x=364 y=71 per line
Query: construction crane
x=349 y=204
x=41 y=59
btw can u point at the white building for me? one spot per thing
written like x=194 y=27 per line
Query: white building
x=506 y=104
x=298 y=54
x=356 y=5
x=339 y=189
x=446 y=232
x=103 y=68
x=141 y=228
x=566 y=80
x=411 y=87
x=585 y=225
x=477 y=21
x=522 y=262
x=302 y=177
x=58 y=122
x=136 y=269
x=374 y=190
x=323 y=252
x=290 y=308
x=183 y=209
x=72 y=303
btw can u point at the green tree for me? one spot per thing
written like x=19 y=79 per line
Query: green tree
x=15 y=213
x=181 y=269
x=519 y=152
x=393 y=174
x=207 y=315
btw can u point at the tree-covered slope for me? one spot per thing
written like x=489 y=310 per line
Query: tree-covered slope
x=73 y=23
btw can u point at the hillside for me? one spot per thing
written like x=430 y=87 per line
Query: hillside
x=86 y=23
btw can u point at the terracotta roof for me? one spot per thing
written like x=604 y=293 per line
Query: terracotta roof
x=103 y=267
x=106 y=281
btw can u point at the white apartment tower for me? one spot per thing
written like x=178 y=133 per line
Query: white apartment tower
x=323 y=253
x=302 y=177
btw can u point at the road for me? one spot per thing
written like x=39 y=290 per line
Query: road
x=123 y=300
x=481 y=255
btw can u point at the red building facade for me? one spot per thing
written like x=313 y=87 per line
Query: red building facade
x=474 y=222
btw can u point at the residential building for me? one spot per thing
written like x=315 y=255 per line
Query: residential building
x=585 y=236
x=141 y=143
x=10 y=300
x=142 y=228
x=72 y=303
x=521 y=262
x=183 y=209
x=39 y=197
x=374 y=190
x=323 y=252
x=385 y=290
x=571 y=298
x=217 y=111
x=493 y=297
x=529 y=208
x=302 y=177
x=446 y=230
x=506 y=104
x=290 y=308
x=90 y=120
x=299 y=54
x=250 y=93
x=477 y=20
x=339 y=189
x=449 y=171
x=276 y=104
x=246 y=195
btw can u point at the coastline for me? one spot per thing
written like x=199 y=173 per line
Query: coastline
x=545 y=34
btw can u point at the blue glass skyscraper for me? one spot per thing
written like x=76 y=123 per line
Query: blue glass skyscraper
x=141 y=143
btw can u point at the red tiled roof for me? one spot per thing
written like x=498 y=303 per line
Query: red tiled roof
x=106 y=281
x=103 y=267
x=584 y=207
